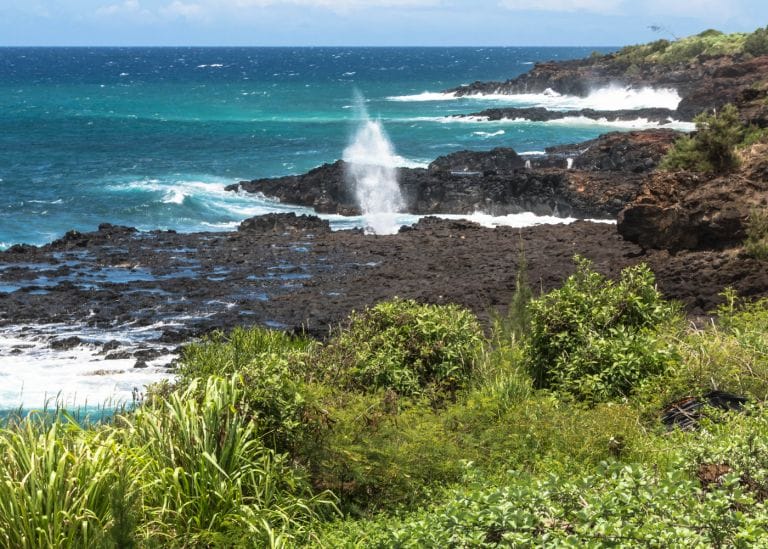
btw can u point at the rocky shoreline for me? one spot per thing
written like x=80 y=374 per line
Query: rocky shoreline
x=294 y=273
x=540 y=114
x=704 y=83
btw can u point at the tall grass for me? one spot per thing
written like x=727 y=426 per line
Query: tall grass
x=214 y=482
x=189 y=471
x=55 y=481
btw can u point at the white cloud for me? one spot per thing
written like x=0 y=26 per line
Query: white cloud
x=596 y=6
x=711 y=10
x=334 y=5
x=183 y=10
x=128 y=8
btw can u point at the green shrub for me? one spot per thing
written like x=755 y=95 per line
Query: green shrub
x=712 y=148
x=756 y=244
x=757 y=42
x=738 y=441
x=619 y=506
x=729 y=354
x=270 y=366
x=221 y=354
x=598 y=339
x=404 y=346
x=685 y=50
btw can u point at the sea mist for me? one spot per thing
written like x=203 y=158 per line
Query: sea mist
x=372 y=171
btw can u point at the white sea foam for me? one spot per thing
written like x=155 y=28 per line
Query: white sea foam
x=487 y=135
x=174 y=196
x=424 y=96
x=571 y=121
x=608 y=98
x=520 y=220
x=638 y=123
x=34 y=374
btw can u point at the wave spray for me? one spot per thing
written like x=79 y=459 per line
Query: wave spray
x=372 y=171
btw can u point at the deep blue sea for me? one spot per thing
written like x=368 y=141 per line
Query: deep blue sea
x=149 y=137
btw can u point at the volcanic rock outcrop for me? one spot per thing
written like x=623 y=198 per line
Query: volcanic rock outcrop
x=704 y=83
x=606 y=174
x=682 y=210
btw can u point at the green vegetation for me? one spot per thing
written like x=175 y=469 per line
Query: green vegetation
x=409 y=427
x=756 y=244
x=715 y=145
x=709 y=43
x=712 y=148
x=597 y=339
x=405 y=347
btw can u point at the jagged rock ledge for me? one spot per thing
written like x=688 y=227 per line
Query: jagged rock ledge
x=703 y=83
x=541 y=114
x=604 y=175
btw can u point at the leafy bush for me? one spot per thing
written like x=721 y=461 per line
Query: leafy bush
x=757 y=42
x=619 y=506
x=597 y=339
x=269 y=365
x=712 y=148
x=756 y=243
x=738 y=443
x=404 y=346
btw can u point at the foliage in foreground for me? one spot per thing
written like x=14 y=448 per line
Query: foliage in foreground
x=188 y=472
x=248 y=459
x=597 y=339
x=404 y=346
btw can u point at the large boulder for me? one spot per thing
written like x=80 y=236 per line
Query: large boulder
x=690 y=211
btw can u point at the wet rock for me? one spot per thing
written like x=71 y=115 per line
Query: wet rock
x=541 y=114
x=118 y=355
x=285 y=222
x=496 y=161
x=632 y=152
x=66 y=343
x=110 y=346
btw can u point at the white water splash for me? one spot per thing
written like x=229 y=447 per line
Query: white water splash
x=607 y=98
x=372 y=170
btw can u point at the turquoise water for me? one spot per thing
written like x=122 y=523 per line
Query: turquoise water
x=150 y=137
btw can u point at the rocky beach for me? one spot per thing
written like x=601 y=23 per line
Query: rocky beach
x=292 y=272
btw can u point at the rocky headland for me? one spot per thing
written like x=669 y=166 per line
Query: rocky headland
x=703 y=82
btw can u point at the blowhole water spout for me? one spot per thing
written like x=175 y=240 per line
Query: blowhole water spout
x=372 y=171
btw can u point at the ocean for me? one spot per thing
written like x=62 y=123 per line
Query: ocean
x=150 y=137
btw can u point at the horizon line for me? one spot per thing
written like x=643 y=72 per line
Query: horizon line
x=51 y=46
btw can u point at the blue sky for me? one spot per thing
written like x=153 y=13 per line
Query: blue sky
x=367 y=22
